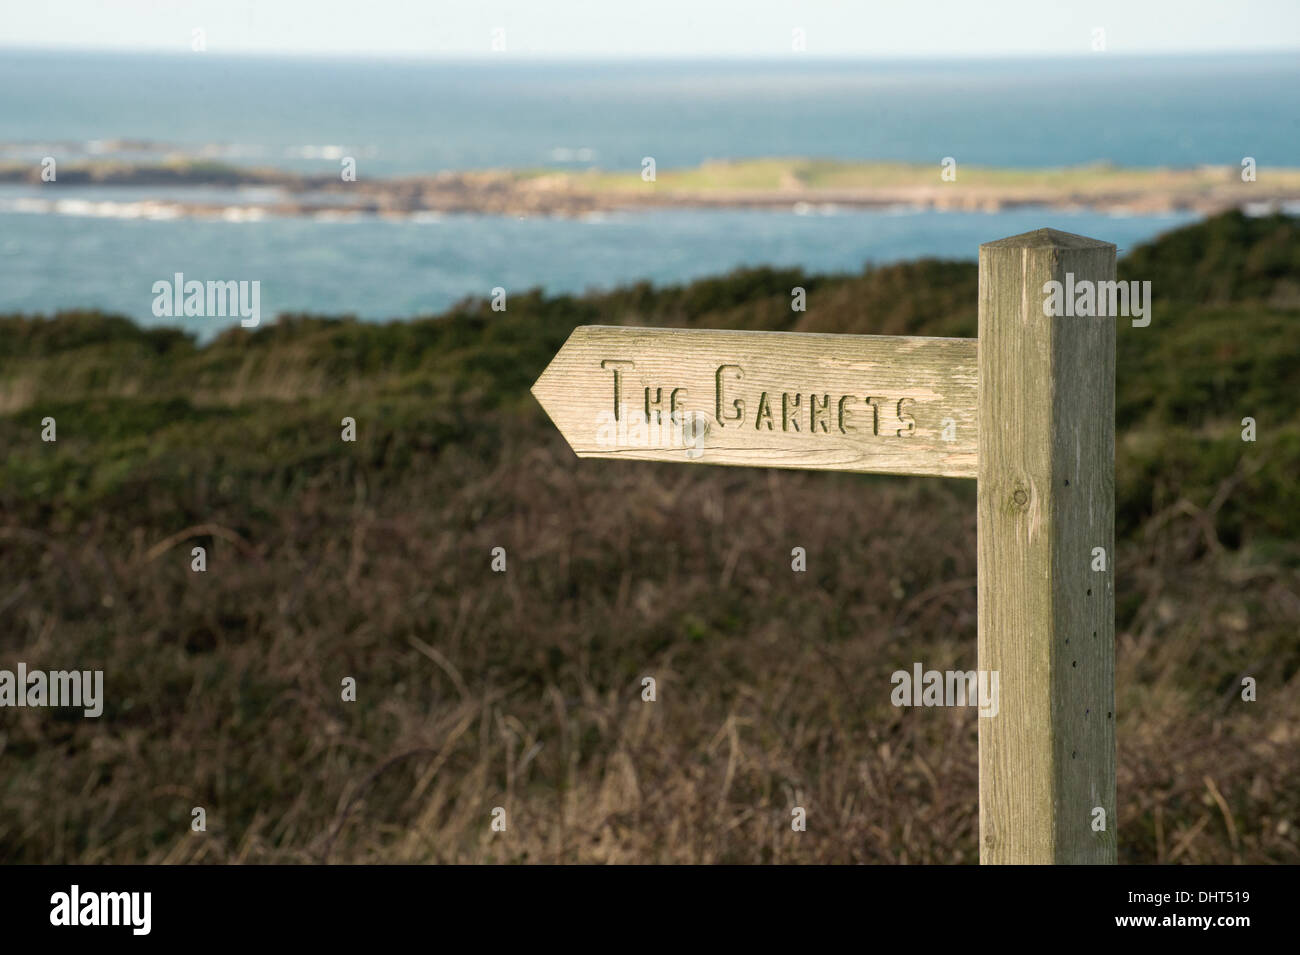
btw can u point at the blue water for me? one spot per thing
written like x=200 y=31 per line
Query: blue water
x=377 y=269
x=412 y=117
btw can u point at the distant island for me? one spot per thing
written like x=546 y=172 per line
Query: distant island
x=799 y=184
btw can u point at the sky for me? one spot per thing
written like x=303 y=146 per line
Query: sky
x=656 y=28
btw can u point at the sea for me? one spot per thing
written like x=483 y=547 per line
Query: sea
x=94 y=249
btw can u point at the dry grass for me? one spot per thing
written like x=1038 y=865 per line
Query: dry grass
x=522 y=689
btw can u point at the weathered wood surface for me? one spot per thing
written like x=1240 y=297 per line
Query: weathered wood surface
x=1046 y=500
x=886 y=404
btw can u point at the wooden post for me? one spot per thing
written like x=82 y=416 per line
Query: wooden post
x=1046 y=494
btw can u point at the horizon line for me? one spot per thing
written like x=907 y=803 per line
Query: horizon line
x=653 y=57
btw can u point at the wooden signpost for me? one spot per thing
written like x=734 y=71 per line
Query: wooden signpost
x=1028 y=409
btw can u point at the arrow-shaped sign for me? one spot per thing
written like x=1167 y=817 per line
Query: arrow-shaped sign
x=887 y=404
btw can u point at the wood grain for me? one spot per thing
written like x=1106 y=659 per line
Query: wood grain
x=1046 y=498
x=884 y=404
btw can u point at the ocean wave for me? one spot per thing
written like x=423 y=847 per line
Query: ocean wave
x=572 y=154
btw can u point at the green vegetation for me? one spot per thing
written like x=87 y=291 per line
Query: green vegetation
x=769 y=174
x=371 y=560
